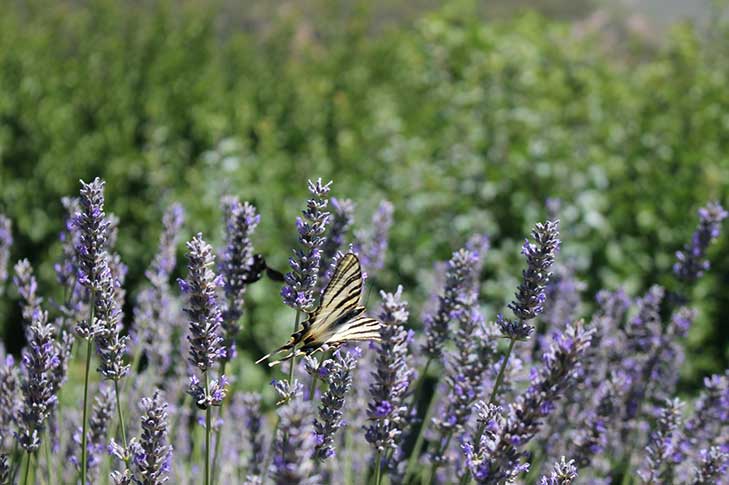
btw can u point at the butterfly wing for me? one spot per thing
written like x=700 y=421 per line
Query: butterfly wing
x=339 y=317
x=340 y=298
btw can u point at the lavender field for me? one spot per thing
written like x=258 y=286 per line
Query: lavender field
x=447 y=249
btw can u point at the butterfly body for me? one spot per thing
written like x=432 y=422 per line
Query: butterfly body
x=339 y=318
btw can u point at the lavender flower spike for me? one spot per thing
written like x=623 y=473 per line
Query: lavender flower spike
x=392 y=376
x=9 y=400
x=6 y=241
x=203 y=311
x=663 y=446
x=343 y=216
x=241 y=222
x=530 y=294
x=111 y=346
x=713 y=465
x=292 y=463
x=690 y=262
x=94 y=229
x=330 y=420
x=152 y=453
x=497 y=456
x=40 y=361
x=301 y=281
x=371 y=246
x=459 y=277
x=27 y=287
x=564 y=473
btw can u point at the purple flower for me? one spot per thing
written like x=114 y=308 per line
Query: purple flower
x=371 y=245
x=661 y=450
x=38 y=383
x=713 y=465
x=6 y=241
x=214 y=395
x=292 y=459
x=27 y=287
x=111 y=346
x=342 y=218
x=466 y=365
x=10 y=400
x=563 y=473
x=241 y=221
x=76 y=297
x=93 y=227
x=301 y=281
x=530 y=294
x=250 y=405
x=330 y=420
x=202 y=310
x=499 y=451
x=690 y=262
x=459 y=281
x=150 y=455
x=391 y=377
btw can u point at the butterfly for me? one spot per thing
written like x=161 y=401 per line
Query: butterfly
x=258 y=267
x=339 y=318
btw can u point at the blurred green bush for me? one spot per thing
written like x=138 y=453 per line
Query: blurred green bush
x=464 y=125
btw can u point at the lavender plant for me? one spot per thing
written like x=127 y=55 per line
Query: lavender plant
x=342 y=220
x=241 y=222
x=372 y=245
x=206 y=342
x=691 y=262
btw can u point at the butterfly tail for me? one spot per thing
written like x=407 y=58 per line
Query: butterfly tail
x=288 y=346
x=294 y=353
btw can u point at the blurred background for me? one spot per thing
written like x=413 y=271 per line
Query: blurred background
x=469 y=116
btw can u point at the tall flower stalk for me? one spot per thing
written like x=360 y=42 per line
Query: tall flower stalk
x=206 y=342
x=301 y=281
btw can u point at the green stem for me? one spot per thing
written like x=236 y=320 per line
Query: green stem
x=47 y=450
x=218 y=433
x=120 y=414
x=85 y=412
x=415 y=454
x=271 y=450
x=378 y=468
x=293 y=357
x=208 y=420
x=27 y=469
x=500 y=376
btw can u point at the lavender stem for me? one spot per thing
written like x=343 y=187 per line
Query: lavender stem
x=378 y=468
x=293 y=357
x=27 y=468
x=84 y=453
x=120 y=414
x=208 y=420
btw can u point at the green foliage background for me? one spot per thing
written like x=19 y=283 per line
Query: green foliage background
x=464 y=124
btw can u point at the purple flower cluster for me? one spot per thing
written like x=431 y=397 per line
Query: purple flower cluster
x=39 y=384
x=237 y=261
x=155 y=314
x=371 y=245
x=339 y=381
x=203 y=311
x=292 y=460
x=459 y=281
x=495 y=453
x=391 y=378
x=691 y=262
x=6 y=241
x=150 y=455
x=9 y=400
x=530 y=294
x=342 y=219
x=27 y=286
x=563 y=473
x=301 y=281
x=662 y=452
